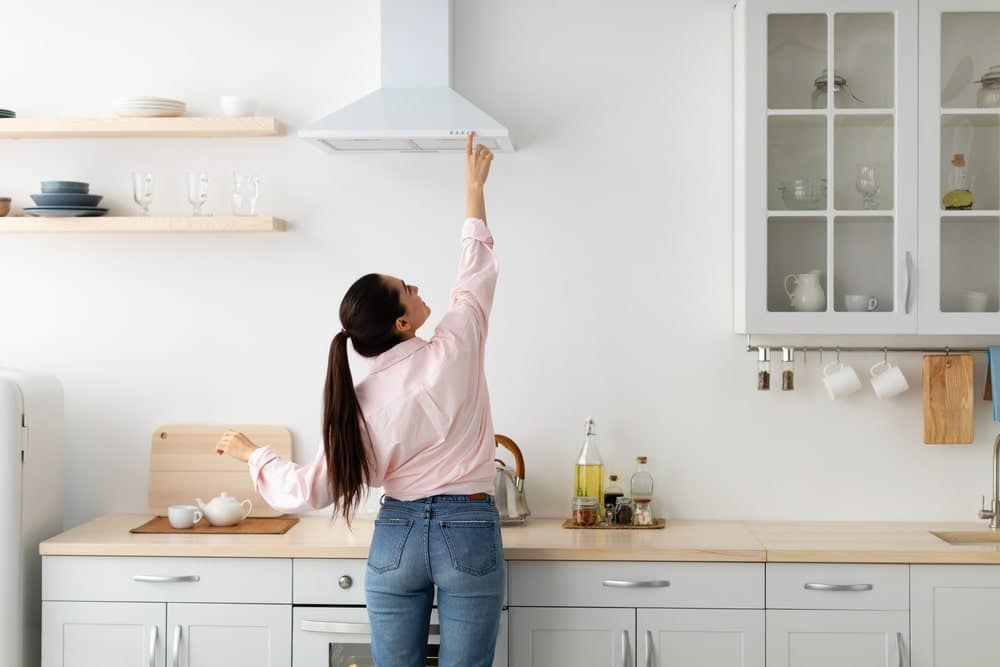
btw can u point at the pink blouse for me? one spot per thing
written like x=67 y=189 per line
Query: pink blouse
x=426 y=404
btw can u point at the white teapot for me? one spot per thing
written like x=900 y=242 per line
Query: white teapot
x=224 y=510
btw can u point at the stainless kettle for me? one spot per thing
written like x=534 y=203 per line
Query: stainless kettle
x=510 y=500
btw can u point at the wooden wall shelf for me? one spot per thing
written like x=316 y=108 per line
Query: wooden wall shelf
x=225 y=223
x=183 y=126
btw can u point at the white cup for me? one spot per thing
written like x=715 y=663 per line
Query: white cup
x=888 y=380
x=233 y=105
x=860 y=302
x=975 y=301
x=840 y=380
x=183 y=516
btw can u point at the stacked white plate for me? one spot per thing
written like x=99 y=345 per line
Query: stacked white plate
x=148 y=106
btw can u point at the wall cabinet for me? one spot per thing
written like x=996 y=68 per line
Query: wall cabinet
x=840 y=180
x=954 y=615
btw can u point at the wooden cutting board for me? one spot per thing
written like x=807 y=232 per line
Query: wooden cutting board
x=183 y=465
x=948 y=401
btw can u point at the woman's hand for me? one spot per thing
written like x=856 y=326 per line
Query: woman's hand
x=236 y=445
x=477 y=169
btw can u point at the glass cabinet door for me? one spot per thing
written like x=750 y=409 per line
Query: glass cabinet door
x=960 y=166
x=831 y=159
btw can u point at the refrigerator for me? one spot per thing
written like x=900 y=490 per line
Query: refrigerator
x=31 y=505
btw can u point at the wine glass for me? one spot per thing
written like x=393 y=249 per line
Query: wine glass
x=868 y=185
x=142 y=190
x=197 y=191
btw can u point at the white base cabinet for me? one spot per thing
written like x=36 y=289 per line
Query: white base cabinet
x=954 y=615
x=210 y=635
x=826 y=638
x=700 y=638
x=581 y=637
x=103 y=634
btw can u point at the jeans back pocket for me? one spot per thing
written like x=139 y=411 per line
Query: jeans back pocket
x=472 y=545
x=386 y=549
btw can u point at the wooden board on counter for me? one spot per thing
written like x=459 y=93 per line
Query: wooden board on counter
x=248 y=526
x=183 y=465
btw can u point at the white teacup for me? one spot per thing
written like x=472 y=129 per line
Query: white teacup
x=183 y=516
x=975 y=301
x=888 y=380
x=840 y=380
x=860 y=302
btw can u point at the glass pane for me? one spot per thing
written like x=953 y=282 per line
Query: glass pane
x=976 y=183
x=863 y=264
x=970 y=264
x=970 y=51
x=863 y=163
x=796 y=163
x=864 y=61
x=796 y=247
x=360 y=655
x=796 y=56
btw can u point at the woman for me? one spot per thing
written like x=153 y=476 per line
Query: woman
x=420 y=427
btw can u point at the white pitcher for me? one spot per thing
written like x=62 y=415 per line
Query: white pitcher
x=808 y=294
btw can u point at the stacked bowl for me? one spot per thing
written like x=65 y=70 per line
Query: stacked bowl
x=6 y=113
x=149 y=107
x=66 y=199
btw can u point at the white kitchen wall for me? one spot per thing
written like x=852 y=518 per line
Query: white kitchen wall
x=612 y=224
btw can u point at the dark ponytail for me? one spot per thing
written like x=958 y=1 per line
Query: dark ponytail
x=368 y=312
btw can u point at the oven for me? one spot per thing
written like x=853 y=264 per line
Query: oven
x=330 y=623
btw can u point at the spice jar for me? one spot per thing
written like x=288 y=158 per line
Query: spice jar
x=787 y=368
x=643 y=513
x=585 y=512
x=763 y=368
x=623 y=511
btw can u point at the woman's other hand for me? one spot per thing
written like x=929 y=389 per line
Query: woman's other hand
x=236 y=445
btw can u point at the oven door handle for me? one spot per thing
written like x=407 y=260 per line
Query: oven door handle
x=331 y=627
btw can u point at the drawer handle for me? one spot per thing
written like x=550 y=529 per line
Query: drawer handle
x=331 y=627
x=165 y=579
x=623 y=583
x=839 y=587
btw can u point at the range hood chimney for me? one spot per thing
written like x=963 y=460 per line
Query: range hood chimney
x=416 y=109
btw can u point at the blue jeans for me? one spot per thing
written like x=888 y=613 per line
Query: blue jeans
x=453 y=543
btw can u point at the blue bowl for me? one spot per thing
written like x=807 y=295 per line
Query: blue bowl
x=51 y=187
x=66 y=199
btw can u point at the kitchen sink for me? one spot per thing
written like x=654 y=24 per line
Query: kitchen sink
x=960 y=538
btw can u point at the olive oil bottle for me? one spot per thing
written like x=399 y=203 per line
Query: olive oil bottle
x=590 y=467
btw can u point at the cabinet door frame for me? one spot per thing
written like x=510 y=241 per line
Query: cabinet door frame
x=750 y=178
x=152 y=616
x=894 y=624
x=748 y=622
x=619 y=621
x=276 y=617
x=926 y=584
x=932 y=319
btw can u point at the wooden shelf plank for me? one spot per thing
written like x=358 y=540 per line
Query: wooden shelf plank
x=247 y=223
x=183 y=126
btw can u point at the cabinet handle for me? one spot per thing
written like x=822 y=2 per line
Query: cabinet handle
x=177 y=645
x=152 y=647
x=839 y=587
x=624 y=648
x=622 y=583
x=329 y=627
x=165 y=579
x=899 y=647
x=649 y=648
x=907 y=301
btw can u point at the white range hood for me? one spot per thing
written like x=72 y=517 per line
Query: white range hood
x=416 y=109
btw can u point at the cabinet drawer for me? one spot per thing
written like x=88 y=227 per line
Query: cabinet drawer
x=121 y=579
x=837 y=586
x=631 y=584
x=318 y=580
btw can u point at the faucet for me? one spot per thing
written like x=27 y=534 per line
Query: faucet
x=993 y=513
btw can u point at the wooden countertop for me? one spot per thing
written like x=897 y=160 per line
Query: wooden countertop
x=544 y=539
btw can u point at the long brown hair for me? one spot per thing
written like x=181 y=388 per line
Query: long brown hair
x=368 y=314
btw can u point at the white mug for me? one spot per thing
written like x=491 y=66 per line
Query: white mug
x=860 y=302
x=840 y=380
x=183 y=516
x=889 y=381
x=975 y=301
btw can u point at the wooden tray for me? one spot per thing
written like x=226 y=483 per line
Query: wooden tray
x=249 y=526
x=657 y=523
